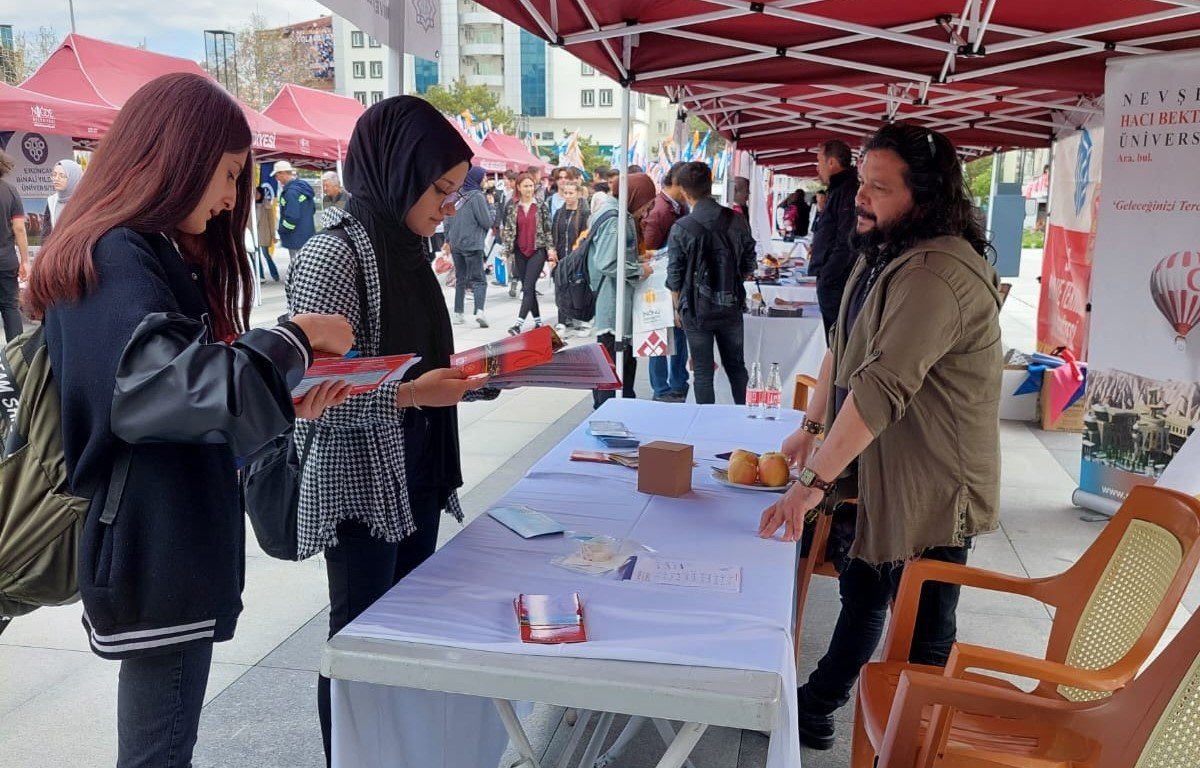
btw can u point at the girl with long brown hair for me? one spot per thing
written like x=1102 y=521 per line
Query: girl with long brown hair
x=527 y=236
x=144 y=293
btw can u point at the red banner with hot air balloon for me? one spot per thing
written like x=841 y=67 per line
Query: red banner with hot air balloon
x=1143 y=385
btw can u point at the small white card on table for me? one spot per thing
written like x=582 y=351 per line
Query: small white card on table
x=687 y=573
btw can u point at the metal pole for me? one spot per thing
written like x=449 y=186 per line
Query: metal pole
x=622 y=228
x=395 y=45
x=71 y=7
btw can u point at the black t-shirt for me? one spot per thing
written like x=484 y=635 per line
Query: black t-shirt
x=10 y=208
x=858 y=299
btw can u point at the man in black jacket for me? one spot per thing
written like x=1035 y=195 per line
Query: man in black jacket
x=711 y=254
x=832 y=258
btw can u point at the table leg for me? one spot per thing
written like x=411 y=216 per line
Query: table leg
x=632 y=726
x=597 y=741
x=516 y=733
x=667 y=732
x=682 y=746
x=578 y=725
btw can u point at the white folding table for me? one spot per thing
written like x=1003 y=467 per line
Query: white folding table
x=427 y=676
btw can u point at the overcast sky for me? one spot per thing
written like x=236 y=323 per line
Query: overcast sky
x=167 y=26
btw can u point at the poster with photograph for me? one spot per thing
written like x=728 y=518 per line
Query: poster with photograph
x=1143 y=400
x=35 y=155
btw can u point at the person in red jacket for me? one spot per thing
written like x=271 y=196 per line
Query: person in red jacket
x=669 y=380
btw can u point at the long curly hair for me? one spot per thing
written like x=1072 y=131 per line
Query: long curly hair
x=941 y=202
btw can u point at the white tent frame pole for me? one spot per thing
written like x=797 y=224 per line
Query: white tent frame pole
x=255 y=263
x=619 y=329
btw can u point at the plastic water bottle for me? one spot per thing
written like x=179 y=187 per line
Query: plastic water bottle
x=772 y=395
x=754 y=392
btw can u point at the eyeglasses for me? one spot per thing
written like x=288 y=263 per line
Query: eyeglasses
x=57 y=175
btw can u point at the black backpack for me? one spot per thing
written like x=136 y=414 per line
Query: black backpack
x=714 y=293
x=270 y=480
x=572 y=283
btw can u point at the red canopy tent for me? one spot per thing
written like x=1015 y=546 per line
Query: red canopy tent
x=488 y=159
x=515 y=150
x=96 y=72
x=22 y=110
x=786 y=74
x=320 y=112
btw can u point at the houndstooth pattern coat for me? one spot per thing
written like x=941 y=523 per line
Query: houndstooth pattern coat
x=355 y=468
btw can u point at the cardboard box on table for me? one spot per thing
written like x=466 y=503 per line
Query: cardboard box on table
x=665 y=469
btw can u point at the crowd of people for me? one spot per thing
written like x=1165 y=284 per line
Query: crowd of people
x=143 y=294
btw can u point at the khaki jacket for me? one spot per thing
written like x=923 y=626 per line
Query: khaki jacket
x=924 y=362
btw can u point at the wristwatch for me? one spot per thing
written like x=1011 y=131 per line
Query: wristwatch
x=813 y=427
x=809 y=479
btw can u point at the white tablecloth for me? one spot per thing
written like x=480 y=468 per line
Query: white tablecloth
x=462 y=596
x=787 y=292
x=796 y=343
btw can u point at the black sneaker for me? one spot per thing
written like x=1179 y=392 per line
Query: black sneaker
x=514 y=331
x=816 y=731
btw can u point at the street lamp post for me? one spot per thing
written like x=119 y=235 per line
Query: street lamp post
x=220 y=57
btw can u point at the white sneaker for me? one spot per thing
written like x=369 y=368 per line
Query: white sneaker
x=481 y=318
x=583 y=331
x=560 y=329
x=457 y=318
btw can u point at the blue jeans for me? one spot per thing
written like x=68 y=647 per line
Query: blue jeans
x=673 y=378
x=158 y=707
x=264 y=254
x=468 y=274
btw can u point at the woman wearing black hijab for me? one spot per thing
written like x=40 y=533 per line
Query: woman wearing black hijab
x=384 y=465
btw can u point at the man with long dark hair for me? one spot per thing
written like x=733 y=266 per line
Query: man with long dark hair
x=908 y=397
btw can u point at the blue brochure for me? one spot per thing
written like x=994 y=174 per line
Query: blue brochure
x=525 y=522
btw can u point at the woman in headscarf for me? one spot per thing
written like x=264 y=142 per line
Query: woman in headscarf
x=466 y=232
x=65 y=177
x=264 y=210
x=383 y=465
x=602 y=268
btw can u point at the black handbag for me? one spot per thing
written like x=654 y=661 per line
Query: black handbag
x=270 y=481
x=271 y=493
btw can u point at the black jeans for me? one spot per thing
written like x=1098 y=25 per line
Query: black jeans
x=529 y=268
x=628 y=371
x=362 y=568
x=866 y=592
x=10 y=308
x=468 y=273
x=731 y=342
x=158 y=707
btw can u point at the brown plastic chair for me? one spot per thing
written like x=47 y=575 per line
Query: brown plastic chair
x=803 y=386
x=1154 y=722
x=1111 y=609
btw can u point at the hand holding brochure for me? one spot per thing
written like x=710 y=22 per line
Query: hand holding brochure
x=362 y=373
x=584 y=367
x=509 y=355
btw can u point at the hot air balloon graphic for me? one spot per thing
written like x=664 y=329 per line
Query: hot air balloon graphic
x=1175 y=288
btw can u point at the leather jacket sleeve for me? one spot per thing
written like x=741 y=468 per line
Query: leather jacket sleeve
x=173 y=386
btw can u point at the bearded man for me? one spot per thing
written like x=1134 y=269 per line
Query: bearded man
x=909 y=395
